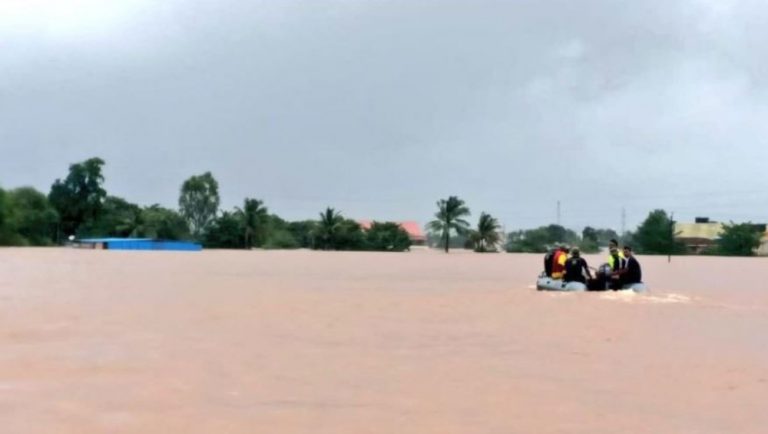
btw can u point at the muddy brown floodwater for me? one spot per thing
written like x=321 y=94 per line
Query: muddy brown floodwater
x=421 y=342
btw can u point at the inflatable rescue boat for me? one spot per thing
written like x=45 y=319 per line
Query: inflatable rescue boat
x=546 y=283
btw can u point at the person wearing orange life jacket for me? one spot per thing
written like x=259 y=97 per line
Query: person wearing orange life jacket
x=548 y=260
x=558 y=262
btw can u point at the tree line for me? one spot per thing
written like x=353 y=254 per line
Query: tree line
x=450 y=229
x=78 y=205
x=655 y=235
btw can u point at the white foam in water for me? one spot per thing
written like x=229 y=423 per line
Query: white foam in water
x=634 y=297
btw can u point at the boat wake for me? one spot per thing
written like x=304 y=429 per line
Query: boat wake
x=634 y=297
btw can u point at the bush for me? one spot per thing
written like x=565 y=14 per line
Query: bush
x=302 y=232
x=350 y=236
x=539 y=240
x=225 y=232
x=281 y=239
x=589 y=246
x=387 y=237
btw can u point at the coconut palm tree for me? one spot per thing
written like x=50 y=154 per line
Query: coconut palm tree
x=449 y=219
x=253 y=215
x=328 y=227
x=486 y=237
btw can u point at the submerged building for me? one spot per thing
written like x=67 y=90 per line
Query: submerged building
x=703 y=234
x=763 y=249
x=136 y=244
x=413 y=229
x=698 y=236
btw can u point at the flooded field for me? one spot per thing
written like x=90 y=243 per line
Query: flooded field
x=314 y=342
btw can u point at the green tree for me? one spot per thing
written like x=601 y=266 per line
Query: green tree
x=387 y=236
x=656 y=235
x=739 y=239
x=8 y=235
x=278 y=234
x=224 y=232
x=162 y=223
x=303 y=232
x=589 y=240
x=540 y=239
x=449 y=219
x=79 y=198
x=604 y=236
x=255 y=218
x=32 y=217
x=589 y=234
x=559 y=234
x=486 y=236
x=529 y=241
x=281 y=239
x=118 y=218
x=350 y=236
x=327 y=229
x=199 y=202
x=628 y=238
x=334 y=232
x=458 y=241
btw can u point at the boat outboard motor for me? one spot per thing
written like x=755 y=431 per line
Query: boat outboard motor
x=601 y=280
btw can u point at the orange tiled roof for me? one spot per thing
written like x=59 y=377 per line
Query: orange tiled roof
x=412 y=227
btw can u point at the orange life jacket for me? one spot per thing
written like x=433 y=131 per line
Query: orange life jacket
x=558 y=264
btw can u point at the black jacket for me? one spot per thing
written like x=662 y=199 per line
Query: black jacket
x=575 y=269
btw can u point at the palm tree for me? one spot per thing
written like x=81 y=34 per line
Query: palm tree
x=486 y=237
x=253 y=216
x=328 y=227
x=449 y=218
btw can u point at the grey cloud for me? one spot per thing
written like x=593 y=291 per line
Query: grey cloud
x=380 y=108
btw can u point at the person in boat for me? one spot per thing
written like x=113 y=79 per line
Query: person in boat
x=548 y=257
x=576 y=267
x=616 y=262
x=558 y=262
x=614 y=255
x=630 y=272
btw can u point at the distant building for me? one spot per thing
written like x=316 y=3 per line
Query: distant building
x=698 y=236
x=703 y=234
x=763 y=249
x=411 y=227
x=135 y=244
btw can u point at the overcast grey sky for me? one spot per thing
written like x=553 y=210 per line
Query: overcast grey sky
x=379 y=108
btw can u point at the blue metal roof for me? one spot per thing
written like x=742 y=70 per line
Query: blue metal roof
x=113 y=240
x=143 y=244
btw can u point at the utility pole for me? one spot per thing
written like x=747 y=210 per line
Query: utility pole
x=558 y=213
x=623 y=221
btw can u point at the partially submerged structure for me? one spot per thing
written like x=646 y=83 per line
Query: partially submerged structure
x=703 y=234
x=698 y=236
x=136 y=244
x=413 y=229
